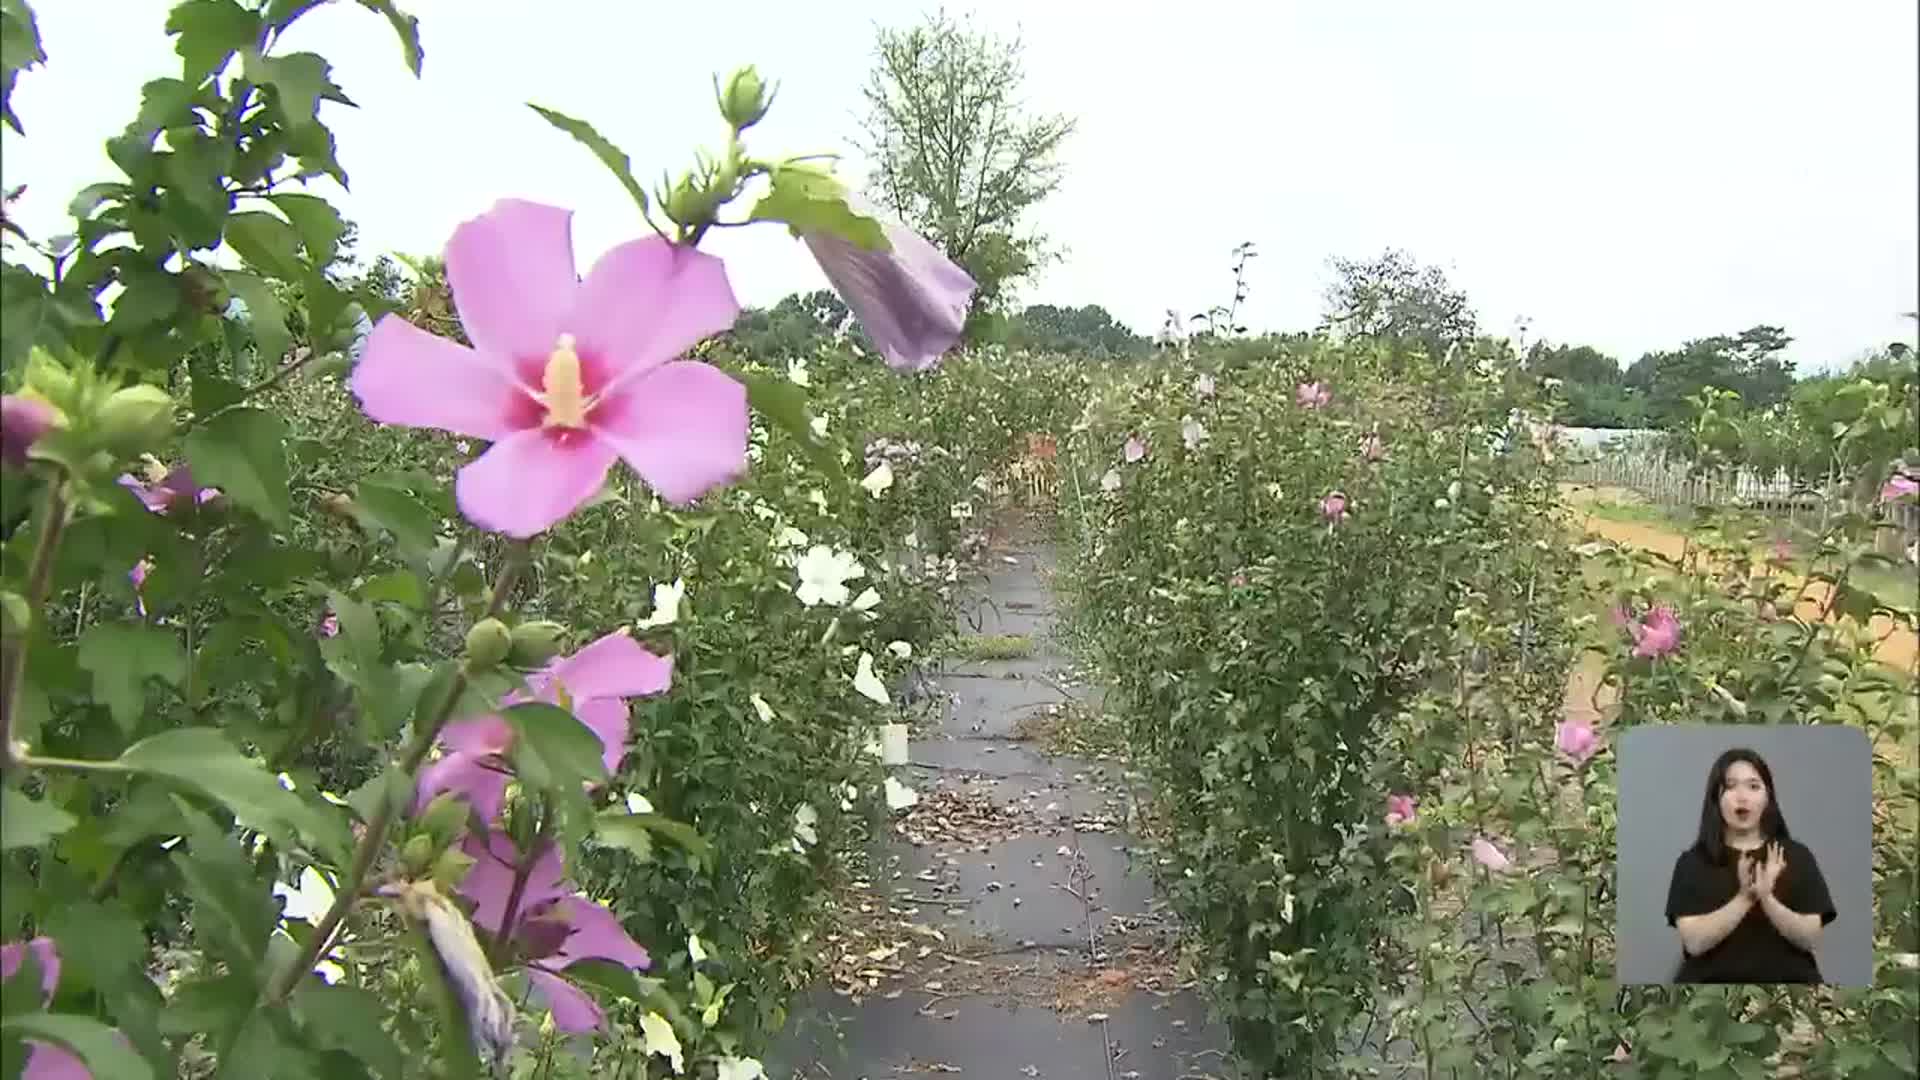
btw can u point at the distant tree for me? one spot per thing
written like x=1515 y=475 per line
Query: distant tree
x=955 y=152
x=1085 y=331
x=795 y=326
x=1574 y=364
x=1394 y=298
x=1748 y=363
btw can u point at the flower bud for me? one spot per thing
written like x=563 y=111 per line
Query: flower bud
x=22 y=421
x=745 y=99
x=488 y=643
x=535 y=643
x=136 y=417
x=442 y=818
x=202 y=290
x=450 y=869
x=417 y=854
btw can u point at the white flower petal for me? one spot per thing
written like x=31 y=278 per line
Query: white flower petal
x=899 y=795
x=868 y=684
x=696 y=952
x=901 y=649
x=659 y=1038
x=867 y=599
x=638 y=803
x=879 y=480
x=761 y=707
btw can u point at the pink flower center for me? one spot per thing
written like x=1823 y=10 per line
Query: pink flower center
x=563 y=392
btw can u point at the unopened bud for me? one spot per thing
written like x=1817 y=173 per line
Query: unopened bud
x=417 y=855
x=450 y=869
x=442 y=819
x=202 y=290
x=22 y=421
x=535 y=643
x=745 y=99
x=488 y=643
x=136 y=417
x=688 y=204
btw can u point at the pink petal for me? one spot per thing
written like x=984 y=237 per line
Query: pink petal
x=513 y=278
x=408 y=376
x=483 y=783
x=573 y=1010
x=49 y=1062
x=44 y=954
x=531 y=480
x=490 y=881
x=682 y=426
x=1489 y=856
x=615 y=666
x=607 y=718
x=597 y=935
x=912 y=300
x=481 y=735
x=22 y=421
x=648 y=301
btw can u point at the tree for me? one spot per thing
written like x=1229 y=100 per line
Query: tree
x=1396 y=299
x=1748 y=363
x=1085 y=331
x=955 y=152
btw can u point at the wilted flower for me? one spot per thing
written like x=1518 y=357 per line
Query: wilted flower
x=566 y=375
x=1489 y=856
x=1333 y=507
x=1312 y=395
x=879 y=480
x=1400 y=809
x=868 y=684
x=910 y=298
x=1371 y=448
x=594 y=682
x=488 y=1010
x=823 y=574
x=552 y=926
x=1577 y=740
x=23 y=420
x=329 y=625
x=1203 y=385
x=1134 y=449
x=1110 y=481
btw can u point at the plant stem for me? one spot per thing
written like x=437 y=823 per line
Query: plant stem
x=514 y=895
x=13 y=651
x=374 y=839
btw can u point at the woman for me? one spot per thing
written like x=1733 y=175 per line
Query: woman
x=1748 y=900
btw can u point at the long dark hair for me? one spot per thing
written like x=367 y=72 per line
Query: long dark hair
x=1712 y=841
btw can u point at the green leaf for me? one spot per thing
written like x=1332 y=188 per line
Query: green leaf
x=610 y=155
x=783 y=403
x=102 y=945
x=233 y=908
x=617 y=979
x=101 y=1049
x=151 y=296
x=243 y=452
x=383 y=507
x=122 y=657
x=267 y=243
x=210 y=32
x=317 y=222
x=552 y=748
x=351 y=1019
x=401 y=587
x=300 y=81
x=19 y=51
x=406 y=27
x=265 y=316
x=631 y=831
x=203 y=759
x=808 y=200
x=29 y=822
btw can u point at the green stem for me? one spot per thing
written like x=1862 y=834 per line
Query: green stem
x=13 y=651
x=374 y=839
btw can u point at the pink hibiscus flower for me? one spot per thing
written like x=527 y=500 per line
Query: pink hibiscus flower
x=1656 y=635
x=597 y=680
x=565 y=375
x=45 y=1061
x=22 y=421
x=1400 y=809
x=1134 y=451
x=1312 y=395
x=167 y=490
x=551 y=926
x=910 y=298
x=1333 y=507
x=1577 y=740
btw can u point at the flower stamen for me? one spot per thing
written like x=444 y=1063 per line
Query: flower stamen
x=563 y=392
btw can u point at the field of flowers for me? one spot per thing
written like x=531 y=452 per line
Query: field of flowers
x=489 y=677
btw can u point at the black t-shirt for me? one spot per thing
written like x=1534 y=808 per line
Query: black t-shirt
x=1754 y=952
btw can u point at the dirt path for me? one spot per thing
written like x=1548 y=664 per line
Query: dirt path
x=1898 y=647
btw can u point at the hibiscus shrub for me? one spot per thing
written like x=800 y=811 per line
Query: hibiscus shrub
x=1270 y=555
x=364 y=714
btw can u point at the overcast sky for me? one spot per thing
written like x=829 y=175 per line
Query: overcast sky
x=1625 y=174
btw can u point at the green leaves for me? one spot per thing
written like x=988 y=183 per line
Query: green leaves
x=634 y=833
x=316 y=222
x=210 y=32
x=610 y=155
x=19 y=51
x=203 y=759
x=122 y=657
x=29 y=822
x=265 y=315
x=785 y=406
x=809 y=200
x=552 y=749
x=269 y=244
x=243 y=452
x=351 y=1019
x=101 y=1049
x=300 y=82
x=406 y=27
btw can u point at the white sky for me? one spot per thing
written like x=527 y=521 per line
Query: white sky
x=1624 y=174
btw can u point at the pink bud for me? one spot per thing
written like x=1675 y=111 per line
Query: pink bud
x=23 y=420
x=1333 y=507
x=1134 y=450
